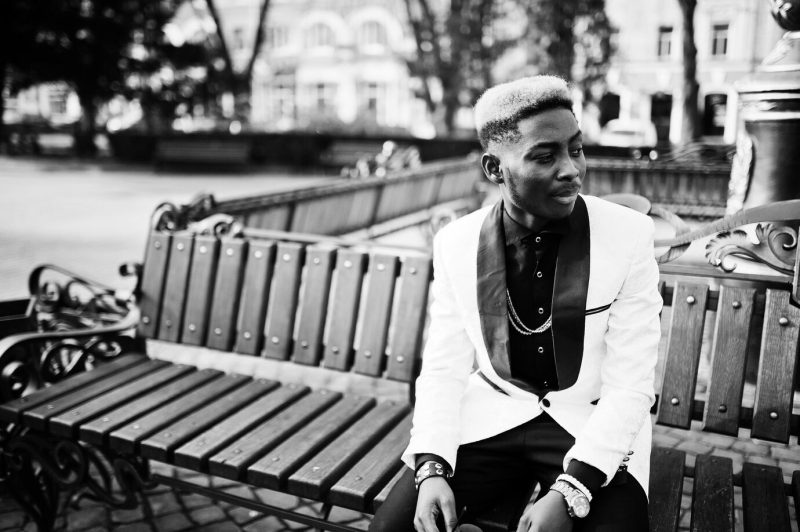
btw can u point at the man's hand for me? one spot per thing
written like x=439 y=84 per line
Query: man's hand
x=548 y=514
x=435 y=498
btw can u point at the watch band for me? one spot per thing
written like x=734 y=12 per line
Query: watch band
x=575 y=483
x=577 y=503
x=429 y=469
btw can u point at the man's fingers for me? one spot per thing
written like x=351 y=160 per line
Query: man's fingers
x=426 y=522
x=449 y=513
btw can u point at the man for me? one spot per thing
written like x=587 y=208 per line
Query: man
x=540 y=357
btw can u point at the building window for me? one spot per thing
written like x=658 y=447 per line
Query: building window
x=323 y=95
x=277 y=37
x=716 y=108
x=664 y=41
x=57 y=95
x=372 y=32
x=719 y=40
x=319 y=35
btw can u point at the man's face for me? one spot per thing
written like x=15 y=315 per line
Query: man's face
x=542 y=171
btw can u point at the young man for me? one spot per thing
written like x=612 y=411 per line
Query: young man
x=540 y=357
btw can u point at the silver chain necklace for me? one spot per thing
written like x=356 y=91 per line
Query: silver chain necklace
x=517 y=323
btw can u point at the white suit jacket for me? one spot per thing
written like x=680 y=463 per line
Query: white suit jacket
x=606 y=329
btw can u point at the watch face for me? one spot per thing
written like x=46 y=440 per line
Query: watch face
x=580 y=505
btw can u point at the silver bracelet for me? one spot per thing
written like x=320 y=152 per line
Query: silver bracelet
x=575 y=483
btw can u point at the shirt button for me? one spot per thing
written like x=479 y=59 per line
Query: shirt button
x=541 y=310
x=545 y=403
x=538 y=239
x=539 y=275
x=541 y=349
x=545 y=384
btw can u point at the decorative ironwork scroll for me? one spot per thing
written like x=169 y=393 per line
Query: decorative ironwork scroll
x=41 y=467
x=78 y=324
x=171 y=217
x=773 y=247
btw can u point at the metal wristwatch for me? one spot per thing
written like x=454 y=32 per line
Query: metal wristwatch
x=577 y=502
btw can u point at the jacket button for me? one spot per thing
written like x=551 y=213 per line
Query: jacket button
x=545 y=402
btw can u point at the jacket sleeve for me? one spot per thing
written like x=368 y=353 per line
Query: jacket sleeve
x=446 y=364
x=627 y=373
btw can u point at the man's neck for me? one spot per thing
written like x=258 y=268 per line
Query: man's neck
x=526 y=219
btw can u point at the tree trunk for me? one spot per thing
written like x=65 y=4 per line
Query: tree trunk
x=2 y=107
x=690 y=129
x=85 y=127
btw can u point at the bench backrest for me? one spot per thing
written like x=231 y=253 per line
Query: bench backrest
x=748 y=326
x=344 y=309
x=351 y=309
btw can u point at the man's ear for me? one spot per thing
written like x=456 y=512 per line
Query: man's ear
x=491 y=168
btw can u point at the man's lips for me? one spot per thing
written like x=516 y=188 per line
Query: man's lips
x=566 y=192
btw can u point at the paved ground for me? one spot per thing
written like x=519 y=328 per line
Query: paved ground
x=91 y=217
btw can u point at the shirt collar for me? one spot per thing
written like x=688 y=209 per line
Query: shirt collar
x=515 y=232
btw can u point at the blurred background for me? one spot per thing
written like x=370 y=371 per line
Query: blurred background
x=104 y=76
x=110 y=107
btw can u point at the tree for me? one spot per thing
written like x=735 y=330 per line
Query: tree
x=690 y=129
x=90 y=44
x=239 y=83
x=455 y=54
x=570 y=39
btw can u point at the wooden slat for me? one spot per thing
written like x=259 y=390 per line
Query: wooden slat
x=731 y=338
x=377 y=310
x=272 y=470
x=359 y=486
x=666 y=488
x=313 y=309
x=180 y=260
x=776 y=368
x=154 y=273
x=66 y=424
x=12 y=410
x=126 y=438
x=160 y=445
x=232 y=461
x=255 y=294
x=409 y=319
x=283 y=301
x=195 y=453
x=96 y=431
x=227 y=291
x=316 y=476
x=344 y=309
x=683 y=355
x=201 y=286
x=712 y=501
x=763 y=498
x=38 y=416
x=796 y=493
x=380 y=498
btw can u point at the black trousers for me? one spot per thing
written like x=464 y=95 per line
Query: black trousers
x=508 y=466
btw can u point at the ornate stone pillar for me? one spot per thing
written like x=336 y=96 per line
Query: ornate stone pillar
x=767 y=163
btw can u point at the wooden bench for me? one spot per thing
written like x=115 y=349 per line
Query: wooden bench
x=289 y=365
x=216 y=151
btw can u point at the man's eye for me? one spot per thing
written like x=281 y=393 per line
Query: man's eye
x=544 y=158
x=575 y=152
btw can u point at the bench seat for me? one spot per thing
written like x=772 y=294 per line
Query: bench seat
x=335 y=312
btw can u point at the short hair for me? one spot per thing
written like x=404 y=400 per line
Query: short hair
x=500 y=108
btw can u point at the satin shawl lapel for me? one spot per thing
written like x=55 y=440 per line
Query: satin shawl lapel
x=491 y=279
x=569 y=296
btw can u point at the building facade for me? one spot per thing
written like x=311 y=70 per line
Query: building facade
x=645 y=82
x=328 y=64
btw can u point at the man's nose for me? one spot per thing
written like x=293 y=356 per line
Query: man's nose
x=567 y=169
